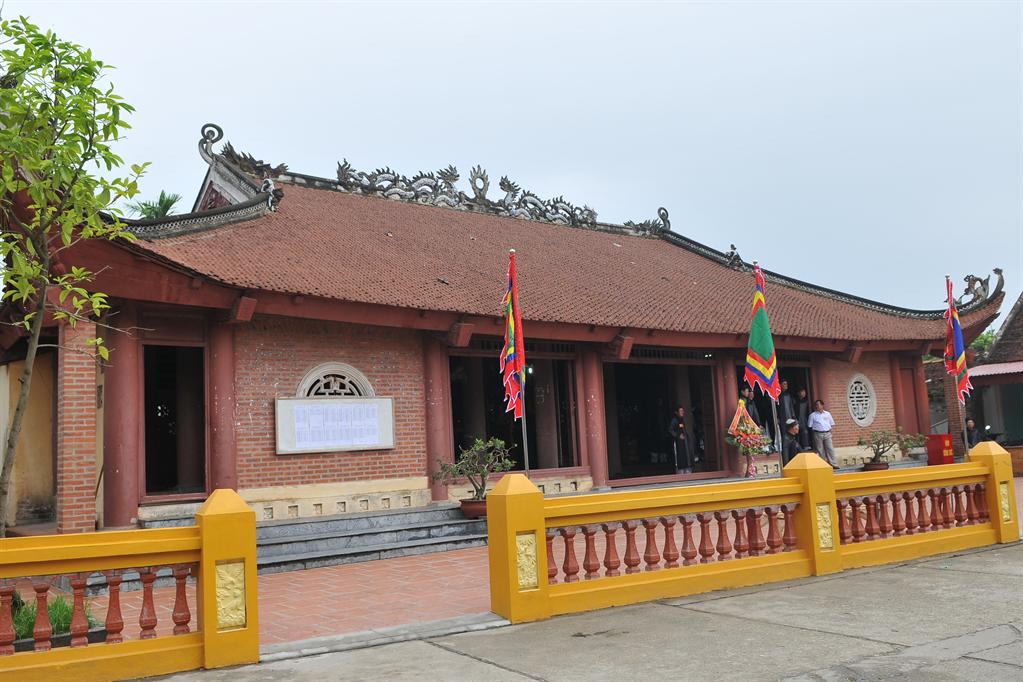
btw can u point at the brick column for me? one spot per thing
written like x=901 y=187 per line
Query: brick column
x=76 y=430
x=440 y=440
x=224 y=455
x=122 y=423
x=955 y=411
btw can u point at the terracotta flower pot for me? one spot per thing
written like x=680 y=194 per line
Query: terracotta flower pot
x=875 y=466
x=474 y=509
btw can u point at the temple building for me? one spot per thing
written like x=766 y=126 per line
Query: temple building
x=228 y=323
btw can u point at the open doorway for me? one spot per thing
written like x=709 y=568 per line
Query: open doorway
x=798 y=378
x=175 y=420
x=640 y=400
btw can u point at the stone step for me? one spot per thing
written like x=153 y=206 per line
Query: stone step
x=324 y=525
x=364 y=537
x=334 y=557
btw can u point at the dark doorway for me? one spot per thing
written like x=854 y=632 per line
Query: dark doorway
x=175 y=420
x=639 y=402
x=478 y=409
x=798 y=378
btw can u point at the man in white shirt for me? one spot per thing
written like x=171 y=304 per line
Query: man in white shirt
x=821 y=423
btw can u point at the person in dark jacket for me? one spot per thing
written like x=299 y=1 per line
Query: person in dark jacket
x=680 y=442
x=802 y=414
x=786 y=403
x=790 y=448
x=972 y=434
x=751 y=407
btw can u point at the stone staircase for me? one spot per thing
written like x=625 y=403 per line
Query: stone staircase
x=293 y=544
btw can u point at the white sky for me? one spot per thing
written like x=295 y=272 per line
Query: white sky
x=868 y=147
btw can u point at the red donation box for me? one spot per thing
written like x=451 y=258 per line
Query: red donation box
x=939 y=449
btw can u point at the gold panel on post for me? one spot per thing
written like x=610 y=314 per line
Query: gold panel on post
x=231 y=595
x=525 y=558
x=825 y=532
x=1003 y=501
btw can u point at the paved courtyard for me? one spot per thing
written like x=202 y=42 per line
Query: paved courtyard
x=946 y=618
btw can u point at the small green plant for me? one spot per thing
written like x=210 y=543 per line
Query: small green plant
x=60 y=611
x=475 y=464
x=882 y=442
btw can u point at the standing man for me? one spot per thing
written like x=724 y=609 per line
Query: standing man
x=786 y=411
x=802 y=415
x=972 y=434
x=680 y=441
x=821 y=423
x=751 y=407
x=791 y=447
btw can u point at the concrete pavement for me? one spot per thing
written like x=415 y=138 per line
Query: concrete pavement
x=947 y=618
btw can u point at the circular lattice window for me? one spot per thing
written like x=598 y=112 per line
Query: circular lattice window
x=862 y=400
x=333 y=380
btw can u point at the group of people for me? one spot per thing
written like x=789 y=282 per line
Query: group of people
x=800 y=424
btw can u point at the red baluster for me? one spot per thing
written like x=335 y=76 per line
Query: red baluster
x=571 y=564
x=872 y=529
x=590 y=563
x=773 y=536
x=611 y=562
x=651 y=555
x=971 y=506
x=857 y=522
x=79 y=623
x=552 y=566
x=756 y=535
x=741 y=544
x=960 y=508
x=147 y=617
x=115 y=623
x=844 y=534
x=898 y=523
x=181 y=615
x=631 y=553
x=907 y=499
x=688 y=546
x=671 y=553
x=6 y=619
x=885 y=523
x=724 y=545
x=948 y=519
x=42 y=630
x=923 y=520
x=936 y=516
x=706 y=546
x=980 y=493
x=788 y=538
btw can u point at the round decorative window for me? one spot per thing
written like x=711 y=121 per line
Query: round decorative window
x=862 y=400
x=335 y=379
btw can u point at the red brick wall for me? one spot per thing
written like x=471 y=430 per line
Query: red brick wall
x=835 y=376
x=272 y=355
x=954 y=410
x=76 y=431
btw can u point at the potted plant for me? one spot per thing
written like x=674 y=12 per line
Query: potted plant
x=475 y=464
x=751 y=441
x=882 y=442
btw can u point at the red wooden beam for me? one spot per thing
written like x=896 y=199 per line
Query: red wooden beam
x=460 y=334
x=243 y=309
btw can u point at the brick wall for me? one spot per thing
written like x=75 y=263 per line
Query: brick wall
x=272 y=355
x=836 y=374
x=76 y=431
x=955 y=412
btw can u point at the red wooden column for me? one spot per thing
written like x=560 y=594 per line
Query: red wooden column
x=440 y=446
x=727 y=381
x=122 y=422
x=593 y=404
x=895 y=368
x=224 y=453
x=76 y=429
x=923 y=404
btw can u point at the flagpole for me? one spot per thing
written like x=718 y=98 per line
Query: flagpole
x=962 y=412
x=777 y=435
x=525 y=432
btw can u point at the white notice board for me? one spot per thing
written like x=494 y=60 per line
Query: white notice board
x=334 y=424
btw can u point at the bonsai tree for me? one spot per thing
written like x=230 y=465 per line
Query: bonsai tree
x=882 y=442
x=475 y=464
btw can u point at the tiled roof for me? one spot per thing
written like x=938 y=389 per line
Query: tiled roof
x=997 y=368
x=1008 y=345
x=356 y=248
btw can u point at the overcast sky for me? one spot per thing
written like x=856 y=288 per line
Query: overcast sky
x=867 y=147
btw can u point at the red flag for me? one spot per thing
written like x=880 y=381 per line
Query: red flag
x=513 y=356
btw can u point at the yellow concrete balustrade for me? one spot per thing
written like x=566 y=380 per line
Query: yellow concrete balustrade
x=222 y=545
x=729 y=521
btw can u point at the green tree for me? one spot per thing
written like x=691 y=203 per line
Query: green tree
x=161 y=208
x=982 y=344
x=58 y=119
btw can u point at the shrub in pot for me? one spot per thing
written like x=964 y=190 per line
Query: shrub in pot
x=475 y=464
x=883 y=442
